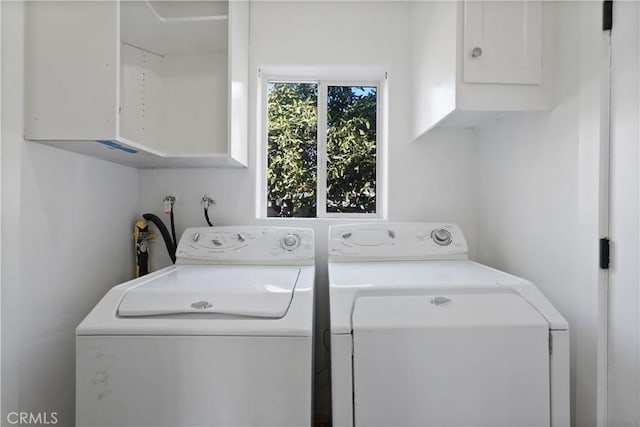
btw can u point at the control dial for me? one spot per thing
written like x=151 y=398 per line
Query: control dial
x=290 y=242
x=441 y=237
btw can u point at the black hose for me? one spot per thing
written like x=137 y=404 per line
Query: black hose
x=165 y=234
x=206 y=216
x=173 y=229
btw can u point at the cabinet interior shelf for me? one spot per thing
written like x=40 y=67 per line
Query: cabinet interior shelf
x=219 y=11
x=166 y=29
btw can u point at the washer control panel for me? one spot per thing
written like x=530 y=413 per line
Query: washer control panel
x=381 y=241
x=246 y=245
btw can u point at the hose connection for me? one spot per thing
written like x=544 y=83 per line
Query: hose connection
x=169 y=202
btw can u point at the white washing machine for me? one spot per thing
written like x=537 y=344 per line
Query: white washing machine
x=223 y=338
x=422 y=336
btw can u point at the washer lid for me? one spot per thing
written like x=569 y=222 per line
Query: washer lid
x=240 y=291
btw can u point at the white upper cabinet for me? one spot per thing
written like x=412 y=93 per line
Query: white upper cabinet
x=142 y=83
x=502 y=42
x=474 y=60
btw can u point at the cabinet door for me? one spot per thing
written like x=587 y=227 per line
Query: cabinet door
x=238 y=79
x=502 y=42
x=71 y=70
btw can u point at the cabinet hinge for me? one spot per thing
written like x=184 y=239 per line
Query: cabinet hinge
x=550 y=344
x=604 y=253
x=607 y=15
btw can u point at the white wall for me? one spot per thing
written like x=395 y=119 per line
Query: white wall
x=66 y=234
x=428 y=180
x=537 y=194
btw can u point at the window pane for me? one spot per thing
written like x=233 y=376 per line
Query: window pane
x=351 y=149
x=292 y=131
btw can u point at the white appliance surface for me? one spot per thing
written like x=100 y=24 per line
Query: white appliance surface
x=352 y=280
x=224 y=337
x=177 y=381
x=249 y=291
x=423 y=336
x=456 y=363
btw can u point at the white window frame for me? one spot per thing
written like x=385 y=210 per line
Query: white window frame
x=321 y=186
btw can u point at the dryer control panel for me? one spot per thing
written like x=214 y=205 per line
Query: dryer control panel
x=246 y=245
x=381 y=241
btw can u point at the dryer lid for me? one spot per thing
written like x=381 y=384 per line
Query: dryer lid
x=241 y=291
x=470 y=311
x=460 y=360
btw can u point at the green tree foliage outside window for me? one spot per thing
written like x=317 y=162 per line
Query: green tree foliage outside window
x=351 y=149
x=292 y=126
x=292 y=149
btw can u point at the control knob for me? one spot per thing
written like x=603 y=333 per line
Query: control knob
x=290 y=242
x=441 y=237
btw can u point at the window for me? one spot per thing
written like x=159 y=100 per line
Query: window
x=322 y=148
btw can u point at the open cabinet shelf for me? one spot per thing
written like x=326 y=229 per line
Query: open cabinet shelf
x=173 y=33
x=146 y=84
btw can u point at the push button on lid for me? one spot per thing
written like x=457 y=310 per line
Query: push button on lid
x=201 y=305
x=440 y=301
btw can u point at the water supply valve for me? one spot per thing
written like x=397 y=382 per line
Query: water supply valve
x=169 y=202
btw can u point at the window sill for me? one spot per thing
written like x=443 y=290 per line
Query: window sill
x=334 y=219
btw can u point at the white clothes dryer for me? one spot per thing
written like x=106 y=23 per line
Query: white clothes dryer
x=422 y=336
x=222 y=338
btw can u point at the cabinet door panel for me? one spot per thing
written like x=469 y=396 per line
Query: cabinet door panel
x=502 y=42
x=71 y=70
x=238 y=79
